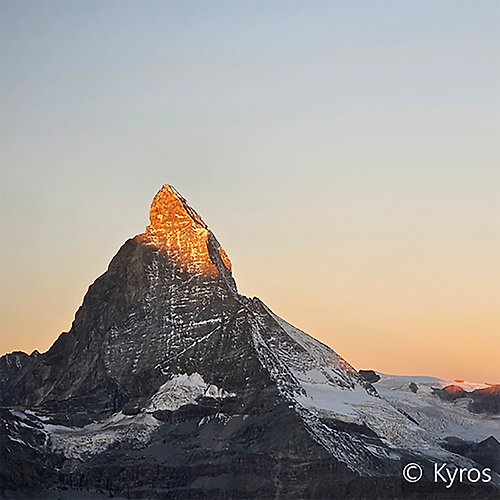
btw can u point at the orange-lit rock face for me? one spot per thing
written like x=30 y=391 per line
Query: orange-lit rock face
x=180 y=232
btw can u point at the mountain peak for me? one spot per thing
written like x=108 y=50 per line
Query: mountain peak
x=168 y=205
x=178 y=230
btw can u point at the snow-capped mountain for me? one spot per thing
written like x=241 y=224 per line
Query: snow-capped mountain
x=170 y=384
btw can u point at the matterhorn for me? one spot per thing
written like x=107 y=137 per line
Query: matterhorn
x=171 y=384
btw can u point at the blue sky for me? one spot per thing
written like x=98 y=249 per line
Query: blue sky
x=344 y=153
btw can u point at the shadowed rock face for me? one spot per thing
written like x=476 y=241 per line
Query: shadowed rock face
x=370 y=376
x=170 y=384
x=486 y=452
x=485 y=400
x=163 y=292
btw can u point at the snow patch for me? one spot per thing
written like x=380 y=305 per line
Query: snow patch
x=95 y=438
x=439 y=418
x=325 y=396
x=182 y=390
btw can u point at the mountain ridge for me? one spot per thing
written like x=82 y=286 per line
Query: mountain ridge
x=166 y=362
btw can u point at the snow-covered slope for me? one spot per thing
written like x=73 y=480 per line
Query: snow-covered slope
x=182 y=390
x=438 y=418
x=340 y=408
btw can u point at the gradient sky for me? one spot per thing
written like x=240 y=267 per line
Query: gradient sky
x=345 y=153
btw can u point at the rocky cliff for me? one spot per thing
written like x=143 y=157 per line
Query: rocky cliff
x=170 y=384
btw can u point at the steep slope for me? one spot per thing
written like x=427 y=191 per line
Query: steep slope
x=165 y=292
x=170 y=384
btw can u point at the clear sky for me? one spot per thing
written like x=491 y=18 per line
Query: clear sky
x=345 y=154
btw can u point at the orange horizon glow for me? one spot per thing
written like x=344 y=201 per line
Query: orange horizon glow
x=377 y=312
x=371 y=314
x=372 y=331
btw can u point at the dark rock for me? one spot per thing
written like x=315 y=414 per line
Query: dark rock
x=450 y=393
x=486 y=400
x=486 y=452
x=370 y=376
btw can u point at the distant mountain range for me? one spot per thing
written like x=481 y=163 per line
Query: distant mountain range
x=170 y=384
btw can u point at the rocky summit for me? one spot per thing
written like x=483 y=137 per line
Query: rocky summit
x=170 y=384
